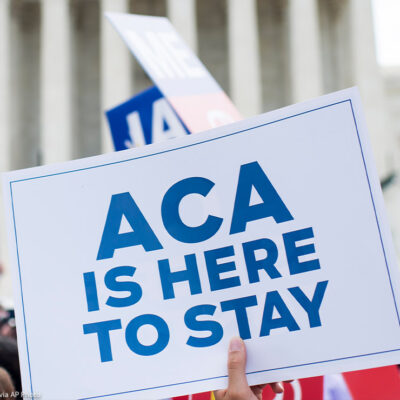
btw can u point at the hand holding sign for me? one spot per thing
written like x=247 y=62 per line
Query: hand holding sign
x=238 y=388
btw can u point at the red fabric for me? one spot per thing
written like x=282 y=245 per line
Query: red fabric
x=371 y=384
x=197 y=396
x=311 y=389
x=202 y=396
x=374 y=384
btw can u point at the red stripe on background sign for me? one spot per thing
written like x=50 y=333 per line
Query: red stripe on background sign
x=202 y=112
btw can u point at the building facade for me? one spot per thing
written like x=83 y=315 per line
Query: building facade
x=62 y=66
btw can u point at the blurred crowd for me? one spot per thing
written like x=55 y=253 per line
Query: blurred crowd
x=10 y=377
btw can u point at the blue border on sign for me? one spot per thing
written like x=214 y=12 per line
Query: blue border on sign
x=183 y=147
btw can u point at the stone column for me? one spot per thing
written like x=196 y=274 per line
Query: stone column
x=305 y=52
x=115 y=67
x=5 y=135
x=244 y=56
x=365 y=74
x=182 y=14
x=5 y=92
x=56 y=83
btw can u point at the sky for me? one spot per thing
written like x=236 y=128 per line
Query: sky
x=387 y=31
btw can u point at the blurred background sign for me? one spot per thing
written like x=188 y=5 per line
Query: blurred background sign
x=145 y=118
x=173 y=67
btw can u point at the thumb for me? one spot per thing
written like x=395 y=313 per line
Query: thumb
x=237 y=381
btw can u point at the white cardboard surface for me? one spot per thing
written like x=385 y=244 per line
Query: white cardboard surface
x=316 y=155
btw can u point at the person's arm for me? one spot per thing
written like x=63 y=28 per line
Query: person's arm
x=238 y=388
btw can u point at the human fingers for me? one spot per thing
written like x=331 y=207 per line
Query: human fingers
x=237 y=381
x=277 y=387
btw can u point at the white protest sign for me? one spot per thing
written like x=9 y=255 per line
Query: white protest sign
x=133 y=270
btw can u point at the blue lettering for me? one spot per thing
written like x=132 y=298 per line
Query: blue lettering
x=190 y=274
x=215 y=329
x=103 y=335
x=293 y=253
x=170 y=211
x=251 y=175
x=92 y=299
x=311 y=307
x=134 y=288
x=121 y=205
x=132 y=338
x=239 y=306
x=215 y=270
x=274 y=300
x=267 y=263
